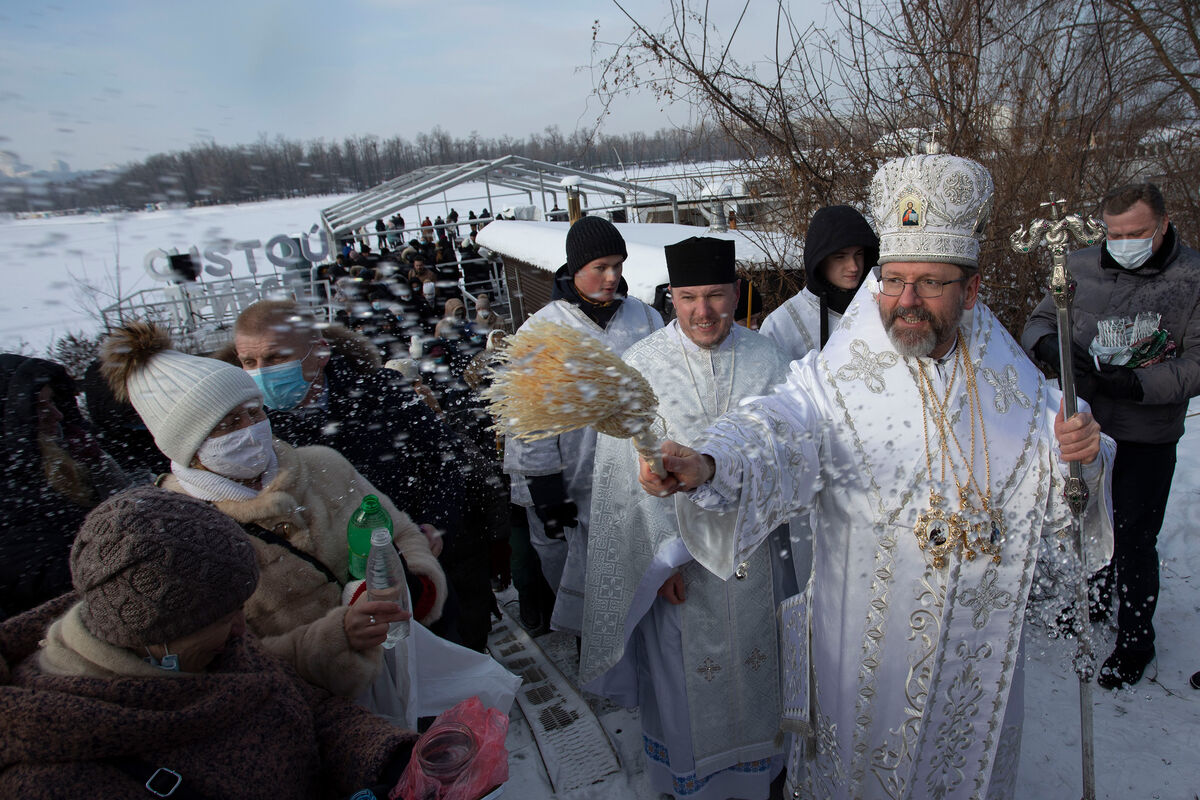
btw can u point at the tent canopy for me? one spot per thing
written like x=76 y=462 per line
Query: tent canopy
x=510 y=172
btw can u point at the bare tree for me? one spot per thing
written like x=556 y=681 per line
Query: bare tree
x=1052 y=95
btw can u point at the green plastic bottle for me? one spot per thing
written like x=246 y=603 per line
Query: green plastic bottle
x=369 y=516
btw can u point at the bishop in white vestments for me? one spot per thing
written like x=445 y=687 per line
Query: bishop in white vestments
x=699 y=655
x=935 y=454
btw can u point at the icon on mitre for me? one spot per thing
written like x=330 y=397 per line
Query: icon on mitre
x=910 y=212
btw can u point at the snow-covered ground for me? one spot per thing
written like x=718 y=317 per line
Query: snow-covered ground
x=1145 y=737
x=45 y=263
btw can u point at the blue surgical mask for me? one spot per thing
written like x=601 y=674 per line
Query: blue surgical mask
x=283 y=385
x=169 y=662
x=1131 y=253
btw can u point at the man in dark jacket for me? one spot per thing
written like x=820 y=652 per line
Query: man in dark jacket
x=54 y=472
x=327 y=388
x=1136 y=353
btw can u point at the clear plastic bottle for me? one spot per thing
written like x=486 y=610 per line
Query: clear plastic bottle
x=385 y=581
x=367 y=517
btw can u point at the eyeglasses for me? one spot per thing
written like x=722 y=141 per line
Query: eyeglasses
x=925 y=287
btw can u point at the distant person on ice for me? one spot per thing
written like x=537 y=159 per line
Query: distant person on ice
x=930 y=447
x=698 y=655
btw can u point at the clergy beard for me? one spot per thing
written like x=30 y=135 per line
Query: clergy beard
x=915 y=343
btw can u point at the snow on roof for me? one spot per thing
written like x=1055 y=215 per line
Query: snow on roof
x=543 y=244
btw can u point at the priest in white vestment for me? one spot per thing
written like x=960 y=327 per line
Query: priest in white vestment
x=552 y=478
x=839 y=248
x=935 y=455
x=699 y=655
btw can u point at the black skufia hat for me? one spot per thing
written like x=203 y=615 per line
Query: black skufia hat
x=701 y=261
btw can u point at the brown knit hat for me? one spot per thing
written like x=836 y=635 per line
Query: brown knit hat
x=153 y=566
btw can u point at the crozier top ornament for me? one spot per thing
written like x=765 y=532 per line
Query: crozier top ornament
x=931 y=208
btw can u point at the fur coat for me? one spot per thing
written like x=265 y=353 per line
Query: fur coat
x=296 y=611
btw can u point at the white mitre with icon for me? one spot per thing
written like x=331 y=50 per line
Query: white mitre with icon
x=931 y=208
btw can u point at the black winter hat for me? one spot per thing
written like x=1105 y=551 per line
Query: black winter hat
x=591 y=238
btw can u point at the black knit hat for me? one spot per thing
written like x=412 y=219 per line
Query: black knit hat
x=591 y=238
x=153 y=566
x=701 y=261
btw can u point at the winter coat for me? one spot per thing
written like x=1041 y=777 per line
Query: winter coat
x=296 y=610
x=449 y=326
x=118 y=427
x=1167 y=284
x=39 y=522
x=247 y=727
x=374 y=418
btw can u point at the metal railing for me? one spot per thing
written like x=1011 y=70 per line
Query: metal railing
x=200 y=315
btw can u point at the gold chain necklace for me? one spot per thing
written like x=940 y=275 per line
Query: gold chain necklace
x=938 y=532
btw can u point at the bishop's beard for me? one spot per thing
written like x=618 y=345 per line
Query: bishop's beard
x=916 y=343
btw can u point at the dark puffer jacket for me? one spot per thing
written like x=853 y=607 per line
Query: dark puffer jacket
x=1167 y=284
x=247 y=727
x=39 y=523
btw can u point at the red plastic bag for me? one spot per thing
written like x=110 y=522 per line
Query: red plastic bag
x=461 y=757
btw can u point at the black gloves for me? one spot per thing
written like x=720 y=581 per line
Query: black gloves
x=552 y=505
x=1046 y=350
x=556 y=517
x=1119 y=383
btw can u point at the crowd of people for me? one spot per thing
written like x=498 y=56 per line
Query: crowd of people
x=880 y=469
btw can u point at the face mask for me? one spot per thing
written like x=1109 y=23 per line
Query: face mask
x=484 y=313
x=429 y=290
x=169 y=662
x=1131 y=253
x=240 y=455
x=283 y=385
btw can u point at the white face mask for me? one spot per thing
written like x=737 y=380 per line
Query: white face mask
x=240 y=455
x=1131 y=253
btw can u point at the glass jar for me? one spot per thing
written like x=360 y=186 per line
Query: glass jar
x=446 y=751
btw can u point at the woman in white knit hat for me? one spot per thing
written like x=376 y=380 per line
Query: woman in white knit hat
x=207 y=417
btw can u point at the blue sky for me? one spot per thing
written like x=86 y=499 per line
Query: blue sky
x=95 y=83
